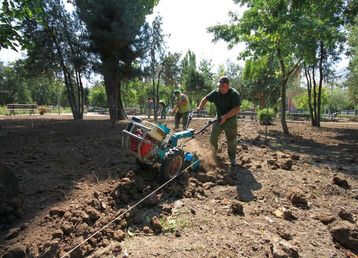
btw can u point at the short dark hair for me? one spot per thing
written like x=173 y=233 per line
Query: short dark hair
x=224 y=80
x=177 y=92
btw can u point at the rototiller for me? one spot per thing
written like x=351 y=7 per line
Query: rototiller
x=152 y=143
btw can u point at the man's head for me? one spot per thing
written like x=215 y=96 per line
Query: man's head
x=224 y=85
x=177 y=92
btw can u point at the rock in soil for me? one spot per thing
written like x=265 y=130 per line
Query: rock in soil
x=156 y=226
x=283 y=249
x=298 y=200
x=237 y=208
x=341 y=182
x=345 y=234
x=345 y=215
x=326 y=219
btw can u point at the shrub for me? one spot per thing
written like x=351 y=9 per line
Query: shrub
x=266 y=116
x=246 y=105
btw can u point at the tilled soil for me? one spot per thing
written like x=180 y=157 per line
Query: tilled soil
x=290 y=196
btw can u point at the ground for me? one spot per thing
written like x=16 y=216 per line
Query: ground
x=290 y=196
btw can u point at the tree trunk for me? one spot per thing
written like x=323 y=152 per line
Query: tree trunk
x=322 y=57
x=309 y=93
x=121 y=112
x=113 y=86
x=283 y=107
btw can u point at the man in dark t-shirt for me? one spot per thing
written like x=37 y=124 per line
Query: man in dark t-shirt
x=227 y=102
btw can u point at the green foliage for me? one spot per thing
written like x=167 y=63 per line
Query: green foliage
x=301 y=100
x=196 y=82
x=260 y=82
x=3 y=110
x=171 y=69
x=338 y=100
x=12 y=12
x=97 y=96
x=246 y=105
x=266 y=116
x=352 y=80
x=119 y=35
x=291 y=31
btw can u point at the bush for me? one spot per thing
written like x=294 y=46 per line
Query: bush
x=3 y=110
x=266 y=116
x=246 y=105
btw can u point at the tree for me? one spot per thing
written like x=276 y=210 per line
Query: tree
x=352 y=80
x=13 y=81
x=156 y=58
x=268 y=28
x=171 y=69
x=97 y=95
x=294 y=32
x=119 y=35
x=322 y=47
x=55 y=42
x=12 y=12
x=195 y=82
x=260 y=82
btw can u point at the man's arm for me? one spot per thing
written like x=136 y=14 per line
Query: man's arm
x=233 y=112
x=202 y=103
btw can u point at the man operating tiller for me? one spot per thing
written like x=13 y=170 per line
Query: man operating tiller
x=227 y=102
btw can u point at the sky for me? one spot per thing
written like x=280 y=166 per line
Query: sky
x=187 y=21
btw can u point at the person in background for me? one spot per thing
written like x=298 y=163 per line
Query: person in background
x=227 y=102
x=149 y=107
x=162 y=110
x=181 y=109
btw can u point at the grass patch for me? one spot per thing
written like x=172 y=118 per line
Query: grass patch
x=3 y=110
x=172 y=224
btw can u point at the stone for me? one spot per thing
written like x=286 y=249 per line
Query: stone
x=326 y=219
x=287 y=215
x=295 y=157
x=67 y=228
x=93 y=214
x=119 y=235
x=287 y=164
x=345 y=234
x=177 y=233
x=298 y=200
x=156 y=226
x=345 y=215
x=283 y=249
x=57 y=234
x=208 y=185
x=341 y=182
x=237 y=208
x=56 y=211
x=146 y=230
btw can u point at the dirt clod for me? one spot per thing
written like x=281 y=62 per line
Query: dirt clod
x=341 y=182
x=345 y=234
x=346 y=215
x=237 y=208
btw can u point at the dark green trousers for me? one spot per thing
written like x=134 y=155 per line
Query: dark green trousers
x=178 y=116
x=230 y=129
